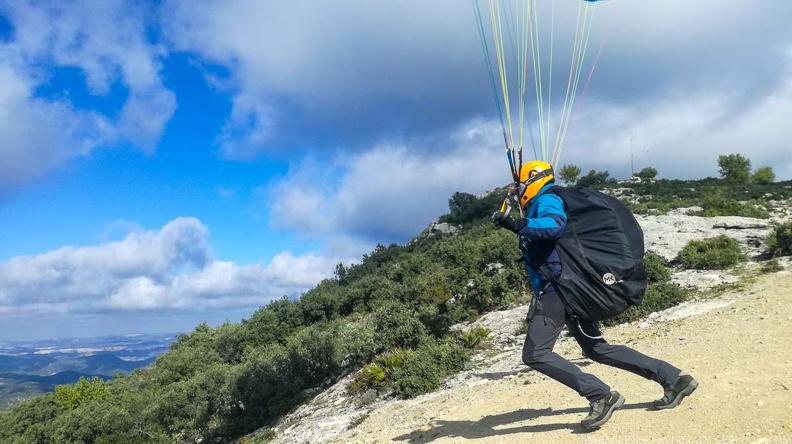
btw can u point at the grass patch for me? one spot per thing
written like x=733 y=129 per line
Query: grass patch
x=474 y=337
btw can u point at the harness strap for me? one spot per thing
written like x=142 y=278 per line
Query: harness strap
x=583 y=332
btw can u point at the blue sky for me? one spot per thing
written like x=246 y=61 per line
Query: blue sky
x=168 y=163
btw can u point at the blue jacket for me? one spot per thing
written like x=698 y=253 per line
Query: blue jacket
x=546 y=222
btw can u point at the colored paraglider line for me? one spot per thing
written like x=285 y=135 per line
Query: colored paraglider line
x=593 y=66
x=519 y=26
x=487 y=59
x=578 y=57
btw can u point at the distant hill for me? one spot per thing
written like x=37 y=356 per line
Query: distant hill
x=27 y=363
x=35 y=367
x=101 y=364
x=104 y=363
x=49 y=381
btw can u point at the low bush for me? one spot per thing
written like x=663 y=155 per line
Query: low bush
x=377 y=375
x=780 y=240
x=723 y=203
x=396 y=325
x=448 y=356
x=474 y=337
x=418 y=376
x=710 y=254
x=656 y=269
x=371 y=376
x=421 y=373
x=658 y=297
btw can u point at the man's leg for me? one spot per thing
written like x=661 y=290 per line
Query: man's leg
x=543 y=331
x=619 y=356
x=676 y=385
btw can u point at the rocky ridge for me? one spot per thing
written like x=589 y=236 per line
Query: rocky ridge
x=333 y=412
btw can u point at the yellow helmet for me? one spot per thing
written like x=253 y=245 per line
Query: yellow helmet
x=533 y=176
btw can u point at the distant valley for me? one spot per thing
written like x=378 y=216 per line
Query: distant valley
x=32 y=367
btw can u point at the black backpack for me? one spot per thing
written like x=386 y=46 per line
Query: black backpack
x=601 y=251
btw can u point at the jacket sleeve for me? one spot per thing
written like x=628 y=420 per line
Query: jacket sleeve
x=550 y=220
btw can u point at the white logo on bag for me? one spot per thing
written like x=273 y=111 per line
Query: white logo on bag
x=609 y=279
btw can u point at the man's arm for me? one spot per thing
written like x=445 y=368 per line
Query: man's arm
x=550 y=222
x=548 y=225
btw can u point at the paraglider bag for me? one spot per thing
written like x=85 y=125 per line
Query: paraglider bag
x=601 y=252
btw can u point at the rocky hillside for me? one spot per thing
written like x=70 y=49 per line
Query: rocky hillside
x=735 y=343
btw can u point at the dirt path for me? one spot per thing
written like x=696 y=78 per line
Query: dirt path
x=740 y=354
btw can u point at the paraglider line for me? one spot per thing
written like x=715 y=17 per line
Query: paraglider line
x=596 y=59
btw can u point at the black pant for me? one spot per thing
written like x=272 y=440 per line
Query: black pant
x=543 y=330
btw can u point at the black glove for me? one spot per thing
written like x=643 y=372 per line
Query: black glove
x=503 y=220
x=498 y=216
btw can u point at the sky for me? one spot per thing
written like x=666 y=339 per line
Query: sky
x=168 y=163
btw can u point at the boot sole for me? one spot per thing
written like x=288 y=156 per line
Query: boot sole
x=690 y=388
x=598 y=424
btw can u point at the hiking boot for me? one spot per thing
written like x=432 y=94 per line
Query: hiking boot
x=601 y=411
x=683 y=386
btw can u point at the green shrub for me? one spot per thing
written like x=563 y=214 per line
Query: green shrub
x=763 y=176
x=393 y=359
x=448 y=356
x=474 y=337
x=357 y=420
x=72 y=395
x=371 y=376
x=722 y=202
x=780 y=240
x=378 y=374
x=316 y=352
x=422 y=370
x=358 y=339
x=491 y=293
x=710 y=254
x=269 y=384
x=658 y=297
x=30 y=421
x=569 y=173
x=656 y=269
x=466 y=208
x=419 y=375
x=396 y=325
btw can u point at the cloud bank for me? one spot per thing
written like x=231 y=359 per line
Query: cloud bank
x=170 y=268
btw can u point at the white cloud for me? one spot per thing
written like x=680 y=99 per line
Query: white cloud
x=250 y=125
x=685 y=134
x=289 y=63
x=419 y=65
x=38 y=135
x=171 y=268
x=106 y=43
x=393 y=190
